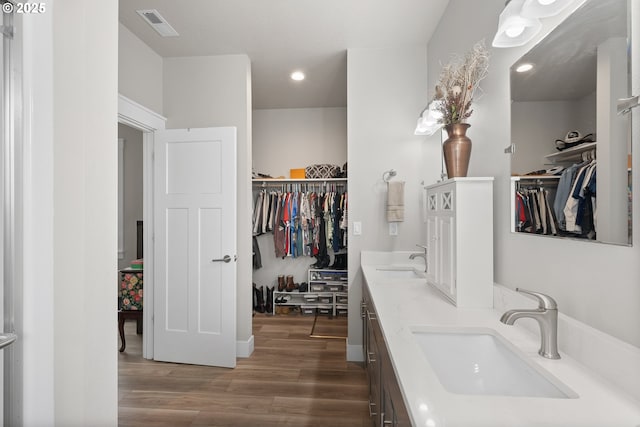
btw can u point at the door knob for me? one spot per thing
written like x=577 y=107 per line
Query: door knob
x=7 y=339
x=225 y=258
x=626 y=104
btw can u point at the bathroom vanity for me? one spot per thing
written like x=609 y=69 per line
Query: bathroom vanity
x=433 y=364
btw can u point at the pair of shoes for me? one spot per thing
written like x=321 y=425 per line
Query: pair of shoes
x=290 y=285
x=282 y=300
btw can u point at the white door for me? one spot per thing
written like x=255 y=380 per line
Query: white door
x=195 y=246
x=10 y=226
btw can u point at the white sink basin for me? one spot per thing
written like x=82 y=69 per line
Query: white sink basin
x=399 y=273
x=480 y=361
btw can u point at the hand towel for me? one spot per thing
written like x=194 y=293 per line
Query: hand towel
x=395 y=201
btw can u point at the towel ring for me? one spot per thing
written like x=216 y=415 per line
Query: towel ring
x=387 y=175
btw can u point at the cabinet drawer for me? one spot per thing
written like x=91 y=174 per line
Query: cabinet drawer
x=308 y=310
x=325 y=309
x=342 y=298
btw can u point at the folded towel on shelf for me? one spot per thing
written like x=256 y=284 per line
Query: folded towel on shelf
x=395 y=201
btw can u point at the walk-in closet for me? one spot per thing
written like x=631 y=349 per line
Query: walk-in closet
x=300 y=216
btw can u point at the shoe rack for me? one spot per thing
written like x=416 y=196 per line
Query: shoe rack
x=326 y=294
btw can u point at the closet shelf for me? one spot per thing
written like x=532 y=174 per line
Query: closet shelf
x=534 y=177
x=285 y=180
x=570 y=154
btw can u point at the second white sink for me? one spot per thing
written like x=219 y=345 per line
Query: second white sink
x=480 y=361
x=399 y=273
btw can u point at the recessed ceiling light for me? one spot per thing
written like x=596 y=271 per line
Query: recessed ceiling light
x=297 y=76
x=523 y=68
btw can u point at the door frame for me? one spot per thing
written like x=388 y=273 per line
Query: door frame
x=134 y=115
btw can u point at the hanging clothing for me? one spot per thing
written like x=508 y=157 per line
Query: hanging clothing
x=257 y=258
x=534 y=213
x=577 y=193
x=279 y=229
x=303 y=223
x=564 y=190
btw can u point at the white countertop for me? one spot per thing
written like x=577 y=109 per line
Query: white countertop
x=403 y=304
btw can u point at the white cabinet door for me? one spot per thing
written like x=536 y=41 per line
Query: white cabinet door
x=432 y=251
x=446 y=246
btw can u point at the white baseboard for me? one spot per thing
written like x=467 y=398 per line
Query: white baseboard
x=244 y=348
x=354 y=353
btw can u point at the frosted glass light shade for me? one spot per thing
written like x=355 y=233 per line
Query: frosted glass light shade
x=543 y=8
x=428 y=120
x=513 y=28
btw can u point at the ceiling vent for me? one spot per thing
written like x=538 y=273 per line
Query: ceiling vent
x=157 y=22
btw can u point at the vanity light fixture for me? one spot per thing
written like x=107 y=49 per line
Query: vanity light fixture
x=428 y=124
x=514 y=29
x=297 y=76
x=523 y=68
x=543 y=8
x=428 y=120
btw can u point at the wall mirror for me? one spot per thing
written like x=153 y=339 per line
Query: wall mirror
x=571 y=152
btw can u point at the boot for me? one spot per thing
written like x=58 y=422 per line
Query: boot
x=281 y=283
x=290 y=285
x=324 y=262
x=260 y=298
x=339 y=262
x=336 y=262
x=269 y=303
x=255 y=298
x=315 y=264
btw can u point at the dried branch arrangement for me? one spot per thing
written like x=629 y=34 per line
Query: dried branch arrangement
x=459 y=80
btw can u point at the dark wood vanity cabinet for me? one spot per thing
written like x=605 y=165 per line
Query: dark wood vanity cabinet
x=386 y=405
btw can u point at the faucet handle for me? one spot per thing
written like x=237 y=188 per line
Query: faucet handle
x=544 y=301
x=423 y=247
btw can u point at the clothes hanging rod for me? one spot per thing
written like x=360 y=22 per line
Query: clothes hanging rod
x=316 y=183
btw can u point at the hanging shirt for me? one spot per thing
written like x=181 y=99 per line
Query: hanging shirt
x=571 y=207
x=279 y=238
x=562 y=194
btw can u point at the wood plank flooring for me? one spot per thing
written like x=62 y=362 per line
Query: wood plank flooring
x=290 y=380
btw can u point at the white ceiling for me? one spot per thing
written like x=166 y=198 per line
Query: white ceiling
x=280 y=36
x=565 y=61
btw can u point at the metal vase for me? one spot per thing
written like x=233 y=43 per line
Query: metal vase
x=457 y=150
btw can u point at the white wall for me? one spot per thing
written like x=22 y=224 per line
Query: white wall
x=290 y=138
x=386 y=92
x=37 y=335
x=534 y=141
x=216 y=91
x=132 y=190
x=597 y=284
x=79 y=159
x=139 y=71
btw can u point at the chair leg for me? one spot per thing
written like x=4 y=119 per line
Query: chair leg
x=139 y=324
x=121 y=330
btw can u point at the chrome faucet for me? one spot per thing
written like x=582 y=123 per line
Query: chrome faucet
x=547 y=317
x=421 y=255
